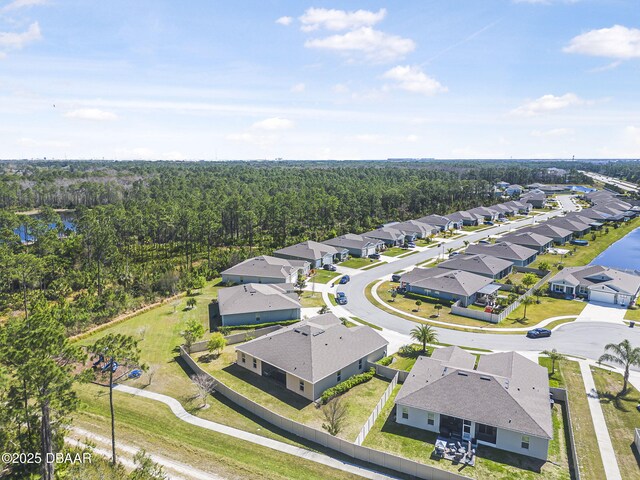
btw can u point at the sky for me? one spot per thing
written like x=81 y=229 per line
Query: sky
x=265 y=79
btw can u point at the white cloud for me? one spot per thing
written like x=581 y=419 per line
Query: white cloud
x=340 y=88
x=633 y=133
x=16 y=4
x=554 y=132
x=298 y=88
x=16 y=41
x=616 y=42
x=331 y=19
x=284 y=21
x=412 y=138
x=30 y=142
x=547 y=103
x=413 y=79
x=273 y=123
x=376 y=46
x=367 y=138
x=91 y=114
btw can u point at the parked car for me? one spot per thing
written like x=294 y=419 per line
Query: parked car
x=539 y=333
x=453 y=254
x=375 y=256
x=484 y=242
x=341 y=298
x=331 y=268
x=395 y=277
x=489 y=223
x=411 y=245
x=345 y=279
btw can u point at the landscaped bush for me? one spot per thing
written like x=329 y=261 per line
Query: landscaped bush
x=386 y=361
x=347 y=385
x=263 y=325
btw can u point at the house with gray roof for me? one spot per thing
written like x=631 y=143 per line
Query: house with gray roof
x=594 y=224
x=504 y=209
x=466 y=218
x=530 y=240
x=356 y=245
x=596 y=215
x=514 y=189
x=390 y=236
x=316 y=253
x=577 y=228
x=488 y=214
x=311 y=356
x=485 y=265
x=444 y=284
x=519 y=255
x=559 y=235
x=521 y=207
x=255 y=303
x=266 y=269
x=417 y=228
x=503 y=403
x=442 y=222
x=536 y=198
x=597 y=283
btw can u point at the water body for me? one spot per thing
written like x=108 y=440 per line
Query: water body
x=26 y=237
x=624 y=254
x=582 y=189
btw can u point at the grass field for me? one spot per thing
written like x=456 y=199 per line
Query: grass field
x=360 y=400
x=324 y=276
x=555 y=379
x=359 y=262
x=622 y=419
x=394 y=251
x=491 y=463
x=310 y=299
x=588 y=453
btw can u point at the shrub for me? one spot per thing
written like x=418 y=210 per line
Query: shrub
x=347 y=385
x=386 y=361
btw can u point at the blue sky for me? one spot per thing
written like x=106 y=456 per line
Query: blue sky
x=337 y=80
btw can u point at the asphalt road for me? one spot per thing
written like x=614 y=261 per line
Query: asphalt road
x=581 y=339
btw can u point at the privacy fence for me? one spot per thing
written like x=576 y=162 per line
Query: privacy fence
x=352 y=450
x=376 y=411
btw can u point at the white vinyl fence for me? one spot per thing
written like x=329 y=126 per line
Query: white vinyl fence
x=376 y=411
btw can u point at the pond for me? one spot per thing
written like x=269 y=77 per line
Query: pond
x=623 y=254
x=25 y=236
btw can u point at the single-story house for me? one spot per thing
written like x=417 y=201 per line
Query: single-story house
x=502 y=185
x=599 y=196
x=577 y=228
x=521 y=207
x=529 y=240
x=616 y=204
x=443 y=223
x=503 y=403
x=466 y=218
x=388 y=235
x=559 y=172
x=505 y=209
x=514 y=189
x=519 y=255
x=445 y=284
x=536 y=198
x=254 y=303
x=266 y=269
x=594 y=214
x=311 y=356
x=597 y=283
x=595 y=225
x=316 y=253
x=559 y=235
x=485 y=265
x=488 y=214
x=615 y=214
x=417 y=228
x=356 y=245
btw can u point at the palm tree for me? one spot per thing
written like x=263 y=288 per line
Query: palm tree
x=623 y=354
x=526 y=301
x=424 y=334
x=449 y=251
x=555 y=357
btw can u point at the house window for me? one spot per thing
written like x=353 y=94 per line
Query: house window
x=405 y=413
x=431 y=418
x=360 y=364
x=339 y=376
x=257 y=318
x=255 y=363
x=244 y=358
x=466 y=429
x=525 y=442
x=301 y=386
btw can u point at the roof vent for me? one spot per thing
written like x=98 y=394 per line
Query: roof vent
x=488 y=379
x=463 y=374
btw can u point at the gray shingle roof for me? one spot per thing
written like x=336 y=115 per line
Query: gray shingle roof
x=507 y=391
x=351 y=240
x=506 y=250
x=315 y=348
x=437 y=220
x=308 y=250
x=552 y=231
x=573 y=225
x=385 y=233
x=256 y=297
x=592 y=275
x=465 y=215
x=266 y=266
x=416 y=226
x=527 y=239
x=595 y=214
x=480 y=264
x=456 y=282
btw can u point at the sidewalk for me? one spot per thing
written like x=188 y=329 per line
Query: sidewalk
x=605 y=446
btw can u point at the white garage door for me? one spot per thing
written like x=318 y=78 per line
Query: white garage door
x=603 y=297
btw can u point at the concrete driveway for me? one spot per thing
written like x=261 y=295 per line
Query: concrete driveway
x=602 y=312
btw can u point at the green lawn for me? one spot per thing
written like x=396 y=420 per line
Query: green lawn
x=588 y=453
x=324 y=276
x=394 y=251
x=417 y=444
x=555 y=379
x=474 y=228
x=622 y=419
x=547 y=308
x=364 y=322
x=359 y=262
x=360 y=400
x=151 y=425
x=310 y=299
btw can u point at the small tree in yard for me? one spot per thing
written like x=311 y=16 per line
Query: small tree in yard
x=191 y=303
x=529 y=280
x=437 y=308
x=544 y=266
x=205 y=386
x=334 y=413
x=418 y=304
x=623 y=354
x=193 y=331
x=555 y=357
x=394 y=294
x=301 y=282
x=538 y=292
x=526 y=302
x=424 y=334
x=216 y=343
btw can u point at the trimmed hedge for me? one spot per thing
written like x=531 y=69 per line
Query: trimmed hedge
x=262 y=325
x=386 y=361
x=347 y=385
